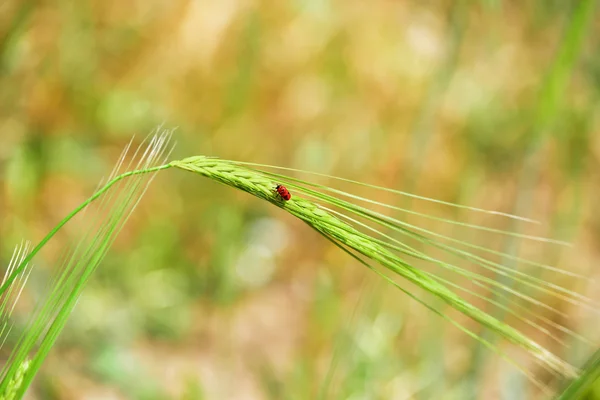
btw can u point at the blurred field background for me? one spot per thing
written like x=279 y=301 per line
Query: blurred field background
x=211 y=294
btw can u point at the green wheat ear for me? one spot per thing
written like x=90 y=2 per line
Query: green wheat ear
x=357 y=230
x=357 y=243
x=15 y=385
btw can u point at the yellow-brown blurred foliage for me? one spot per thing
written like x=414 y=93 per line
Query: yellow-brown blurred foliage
x=210 y=294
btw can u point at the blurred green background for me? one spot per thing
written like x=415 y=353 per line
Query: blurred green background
x=208 y=293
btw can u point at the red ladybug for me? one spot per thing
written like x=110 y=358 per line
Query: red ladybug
x=283 y=192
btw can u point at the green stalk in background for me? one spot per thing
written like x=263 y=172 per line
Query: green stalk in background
x=552 y=91
x=582 y=385
x=355 y=229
